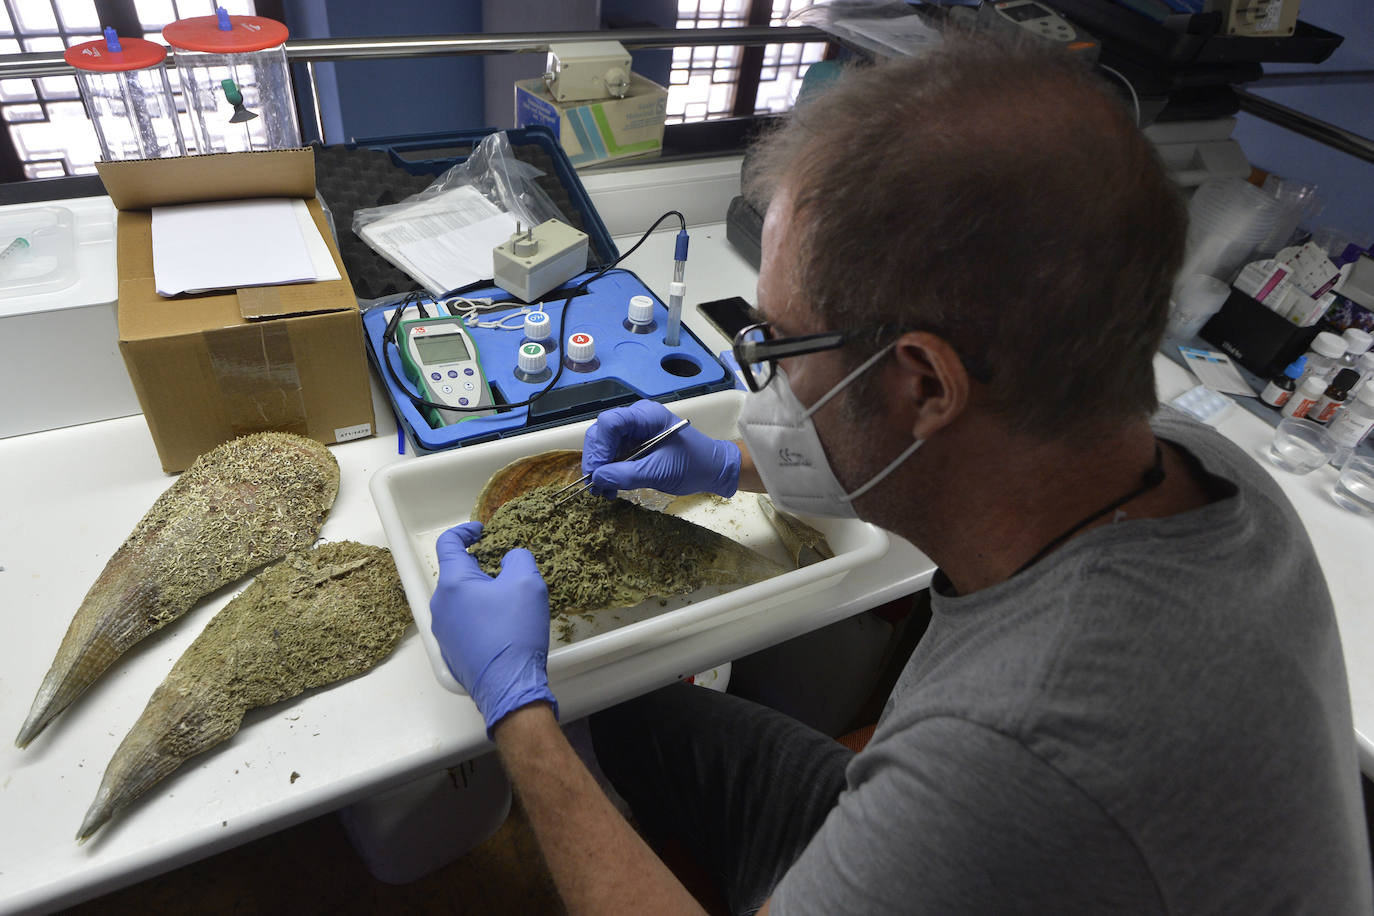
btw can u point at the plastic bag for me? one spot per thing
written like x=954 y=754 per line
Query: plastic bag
x=443 y=236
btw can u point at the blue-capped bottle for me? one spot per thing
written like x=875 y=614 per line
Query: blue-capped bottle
x=1281 y=387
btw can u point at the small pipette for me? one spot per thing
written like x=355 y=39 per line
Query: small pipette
x=14 y=248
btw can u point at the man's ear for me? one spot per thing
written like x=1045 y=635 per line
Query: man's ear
x=934 y=386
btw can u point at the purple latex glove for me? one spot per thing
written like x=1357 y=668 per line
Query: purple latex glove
x=688 y=461
x=494 y=633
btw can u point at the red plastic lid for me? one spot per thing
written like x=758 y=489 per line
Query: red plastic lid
x=202 y=33
x=136 y=54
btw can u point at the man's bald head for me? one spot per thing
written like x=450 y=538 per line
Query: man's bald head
x=997 y=194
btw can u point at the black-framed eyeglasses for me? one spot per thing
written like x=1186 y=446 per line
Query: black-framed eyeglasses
x=757 y=351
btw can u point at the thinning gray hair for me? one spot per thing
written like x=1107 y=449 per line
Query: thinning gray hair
x=995 y=193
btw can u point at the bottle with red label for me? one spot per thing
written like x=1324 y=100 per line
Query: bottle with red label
x=1305 y=398
x=1334 y=397
x=581 y=353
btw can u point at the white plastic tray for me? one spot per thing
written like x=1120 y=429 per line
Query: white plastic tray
x=417 y=499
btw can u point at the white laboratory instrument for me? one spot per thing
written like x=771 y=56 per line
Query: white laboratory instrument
x=582 y=70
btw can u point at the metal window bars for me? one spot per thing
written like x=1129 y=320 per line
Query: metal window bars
x=312 y=51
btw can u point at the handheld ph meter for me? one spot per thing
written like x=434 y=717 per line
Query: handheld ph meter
x=441 y=359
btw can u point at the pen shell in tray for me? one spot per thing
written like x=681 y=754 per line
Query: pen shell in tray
x=419 y=498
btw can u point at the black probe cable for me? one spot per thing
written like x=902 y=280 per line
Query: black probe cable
x=415 y=298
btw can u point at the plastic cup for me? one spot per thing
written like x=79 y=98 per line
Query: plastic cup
x=1355 y=487
x=1300 y=446
x=1195 y=300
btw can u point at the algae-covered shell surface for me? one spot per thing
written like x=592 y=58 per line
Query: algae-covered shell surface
x=599 y=554
x=239 y=506
x=317 y=617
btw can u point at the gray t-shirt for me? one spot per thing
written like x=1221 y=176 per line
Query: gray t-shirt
x=1152 y=719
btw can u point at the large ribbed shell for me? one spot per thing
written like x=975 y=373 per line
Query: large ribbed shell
x=559 y=467
x=317 y=617
x=239 y=506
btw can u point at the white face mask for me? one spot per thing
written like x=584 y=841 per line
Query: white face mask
x=787 y=452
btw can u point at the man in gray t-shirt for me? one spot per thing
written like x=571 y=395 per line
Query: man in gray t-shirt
x=1131 y=696
x=1152 y=719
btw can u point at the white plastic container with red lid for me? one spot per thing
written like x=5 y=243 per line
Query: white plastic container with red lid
x=123 y=82
x=236 y=81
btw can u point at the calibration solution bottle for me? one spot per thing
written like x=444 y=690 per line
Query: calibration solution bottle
x=532 y=364
x=640 y=319
x=538 y=329
x=581 y=356
x=1281 y=387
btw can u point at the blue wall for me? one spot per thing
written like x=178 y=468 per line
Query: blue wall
x=1345 y=183
x=363 y=99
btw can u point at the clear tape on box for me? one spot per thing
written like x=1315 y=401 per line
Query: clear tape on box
x=418 y=499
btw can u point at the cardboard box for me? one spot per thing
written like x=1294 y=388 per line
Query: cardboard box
x=602 y=130
x=209 y=367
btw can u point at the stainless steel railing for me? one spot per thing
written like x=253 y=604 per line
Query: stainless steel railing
x=311 y=51
x=1310 y=127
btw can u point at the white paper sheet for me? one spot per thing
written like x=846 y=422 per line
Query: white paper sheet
x=228 y=245
x=1216 y=371
x=444 y=242
x=320 y=257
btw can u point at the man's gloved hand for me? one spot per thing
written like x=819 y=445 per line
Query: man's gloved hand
x=494 y=633
x=688 y=461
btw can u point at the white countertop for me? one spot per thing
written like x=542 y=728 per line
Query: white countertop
x=1343 y=540
x=70 y=497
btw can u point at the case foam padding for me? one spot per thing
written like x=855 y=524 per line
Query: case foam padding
x=356 y=178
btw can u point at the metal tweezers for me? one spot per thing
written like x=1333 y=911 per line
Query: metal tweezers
x=584 y=481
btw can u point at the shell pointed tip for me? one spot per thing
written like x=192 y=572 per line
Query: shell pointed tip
x=32 y=727
x=95 y=819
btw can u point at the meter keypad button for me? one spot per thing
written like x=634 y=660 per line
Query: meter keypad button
x=453 y=373
x=448 y=389
x=436 y=375
x=463 y=401
x=467 y=371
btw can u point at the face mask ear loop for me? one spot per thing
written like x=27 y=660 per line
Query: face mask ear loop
x=892 y=466
x=863 y=367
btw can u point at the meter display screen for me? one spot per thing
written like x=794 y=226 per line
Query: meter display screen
x=443 y=348
x=1024 y=12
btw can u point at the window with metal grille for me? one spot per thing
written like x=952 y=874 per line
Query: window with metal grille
x=46 y=120
x=729 y=81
